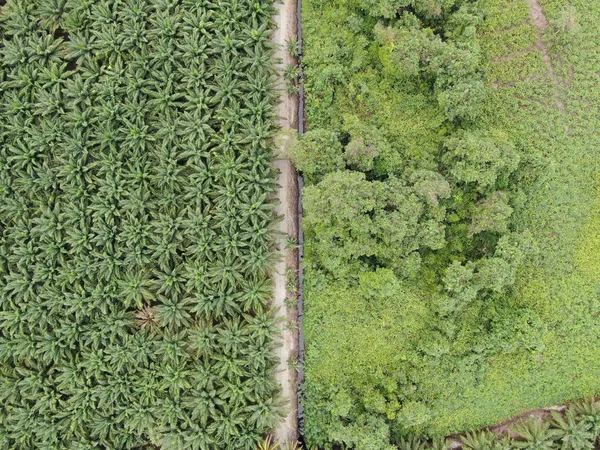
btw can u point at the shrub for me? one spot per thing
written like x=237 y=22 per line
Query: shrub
x=317 y=153
x=491 y=214
x=481 y=158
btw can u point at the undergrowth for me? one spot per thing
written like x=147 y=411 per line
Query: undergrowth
x=451 y=271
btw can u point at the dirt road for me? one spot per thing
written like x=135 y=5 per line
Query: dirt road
x=288 y=208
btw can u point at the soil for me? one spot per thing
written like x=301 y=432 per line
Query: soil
x=287 y=193
x=537 y=15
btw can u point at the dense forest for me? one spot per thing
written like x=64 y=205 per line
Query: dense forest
x=446 y=282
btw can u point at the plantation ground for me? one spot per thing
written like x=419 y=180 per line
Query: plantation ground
x=137 y=225
x=372 y=357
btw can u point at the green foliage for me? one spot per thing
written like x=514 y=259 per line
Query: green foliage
x=588 y=411
x=350 y=221
x=390 y=8
x=293 y=47
x=268 y=444
x=484 y=159
x=568 y=430
x=566 y=27
x=479 y=440
x=136 y=226
x=404 y=47
x=456 y=102
x=535 y=434
x=317 y=153
x=573 y=434
x=465 y=283
x=491 y=214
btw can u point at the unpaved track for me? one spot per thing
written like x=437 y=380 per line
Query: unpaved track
x=287 y=194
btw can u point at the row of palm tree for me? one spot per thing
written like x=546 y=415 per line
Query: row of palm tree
x=136 y=224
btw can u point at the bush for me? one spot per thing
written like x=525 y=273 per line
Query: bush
x=317 y=153
x=482 y=158
x=491 y=214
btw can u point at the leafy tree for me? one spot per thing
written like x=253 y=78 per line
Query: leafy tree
x=317 y=153
x=463 y=100
x=404 y=47
x=390 y=8
x=352 y=219
x=366 y=144
x=459 y=282
x=491 y=214
x=465 y=282
x=431 y=186
x=367 y=432
x=494 y=274
x=482 y=159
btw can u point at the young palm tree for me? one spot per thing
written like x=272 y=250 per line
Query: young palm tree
x=199 y=438
x=232 y=336
x=268 y=444
x=173 y=312
x=440 y=444
x=535 y=434
x=266 y=414
x=255 y=294
x=262 y=327
x=203 y=339
x=588 y=411
x=573 y=433
x=136 y=289
x=412 y=443
x=135 y=184
x=204 y=404
x=480 y=440
x=194 y=126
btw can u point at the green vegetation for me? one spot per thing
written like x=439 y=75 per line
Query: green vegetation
x=451 y=223
x=577 y=428
x=136 y=224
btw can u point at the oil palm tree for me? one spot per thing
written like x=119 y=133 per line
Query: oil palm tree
x=588 y=411
x=254 y=294
x=174 y=312
x=535 y=434
x=573 y=433
x=411 y=443
x=480 y=440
